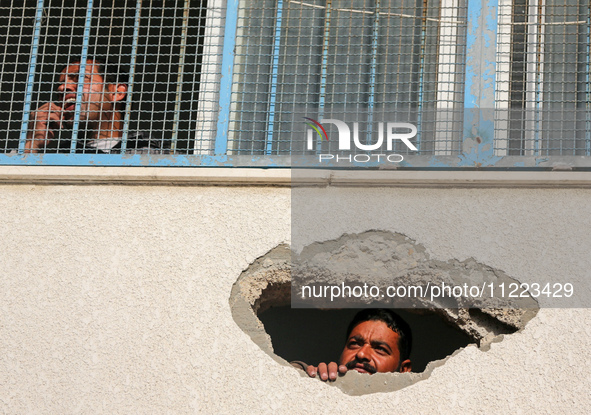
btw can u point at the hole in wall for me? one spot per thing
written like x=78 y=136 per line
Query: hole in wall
x=260 y=303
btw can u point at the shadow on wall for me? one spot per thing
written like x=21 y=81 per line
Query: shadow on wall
x=314 y=336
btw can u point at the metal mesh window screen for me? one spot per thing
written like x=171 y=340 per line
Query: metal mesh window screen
x=364 y=61
x=543 y=100
x=158 y=48
x=358 y=61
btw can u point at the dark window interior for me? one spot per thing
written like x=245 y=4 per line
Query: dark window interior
x=314 y=336
x=111 y=35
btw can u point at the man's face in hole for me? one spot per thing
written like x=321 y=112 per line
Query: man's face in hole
x=373 y=347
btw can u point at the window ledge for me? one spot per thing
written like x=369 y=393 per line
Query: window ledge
x=144 y=175
x=287 y=177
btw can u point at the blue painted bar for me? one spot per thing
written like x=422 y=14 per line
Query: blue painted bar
x=276 y=161
x=225 y=98
x=470 y=97
x=274 y=76
x=372 y=74
x=81 y=77
x=324 y=70
x=538 y=108
x=588 y=94
x=479 y=93
x=537 y=121
x=136 y=34
x=481 y=42
x=31 y=77
x=137 y=160
x=421 y=78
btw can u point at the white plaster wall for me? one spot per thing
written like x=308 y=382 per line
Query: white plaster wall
x=114 y=299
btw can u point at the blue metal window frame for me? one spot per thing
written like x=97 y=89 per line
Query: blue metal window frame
x=477 y=150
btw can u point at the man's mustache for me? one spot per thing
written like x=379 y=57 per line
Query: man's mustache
x=366 y=366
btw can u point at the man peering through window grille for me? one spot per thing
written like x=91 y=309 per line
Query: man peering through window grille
x=101 y=110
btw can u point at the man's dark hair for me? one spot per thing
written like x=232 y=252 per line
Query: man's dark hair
x=112 y=72
x=393 y=321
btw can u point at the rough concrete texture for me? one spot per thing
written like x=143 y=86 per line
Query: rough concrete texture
x=114 y=299
x=386 y=259
x=268 y=282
